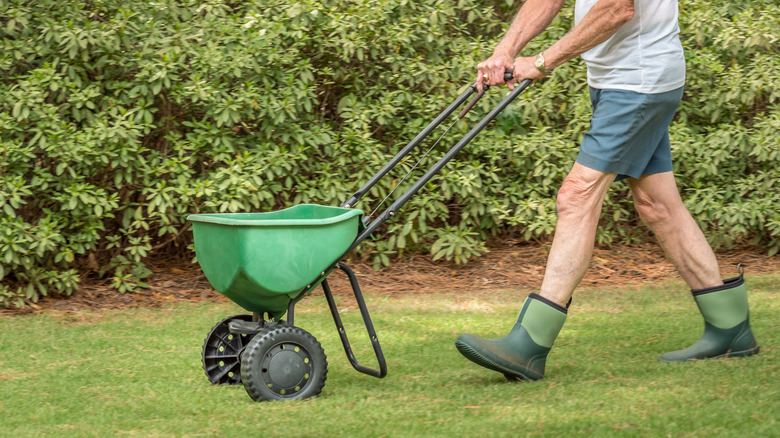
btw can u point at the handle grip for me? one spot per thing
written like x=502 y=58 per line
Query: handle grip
x=508 y=76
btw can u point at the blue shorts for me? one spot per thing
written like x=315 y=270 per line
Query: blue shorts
x=629 y=132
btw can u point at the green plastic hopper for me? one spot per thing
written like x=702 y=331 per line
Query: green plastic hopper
x=263 y=260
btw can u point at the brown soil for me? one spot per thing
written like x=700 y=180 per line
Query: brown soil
x=507 y=267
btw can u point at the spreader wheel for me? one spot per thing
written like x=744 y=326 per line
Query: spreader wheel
x=222 y=352
x=283 y=363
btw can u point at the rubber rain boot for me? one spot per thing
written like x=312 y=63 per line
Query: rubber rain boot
x=522 y=353
x=726 y=324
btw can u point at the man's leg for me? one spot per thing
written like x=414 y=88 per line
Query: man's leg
x=658 y=202
x=723 y=304
x=522 y=354
x=579 y=207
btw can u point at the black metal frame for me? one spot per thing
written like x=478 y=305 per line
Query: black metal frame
x=382 y=371
x=389 y=213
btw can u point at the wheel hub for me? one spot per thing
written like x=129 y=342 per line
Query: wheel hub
x=286 y=368
x=283 y=363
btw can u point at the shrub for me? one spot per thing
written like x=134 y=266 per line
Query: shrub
x=121 y=117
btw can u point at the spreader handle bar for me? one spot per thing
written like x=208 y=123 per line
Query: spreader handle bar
x=395 y=206
x=408 y=148
x=349 y=203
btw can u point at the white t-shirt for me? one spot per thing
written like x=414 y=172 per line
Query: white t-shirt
x=644 y=55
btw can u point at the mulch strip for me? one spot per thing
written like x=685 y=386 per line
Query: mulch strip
x=507 y=267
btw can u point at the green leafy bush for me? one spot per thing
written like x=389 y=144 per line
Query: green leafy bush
x=119 y=118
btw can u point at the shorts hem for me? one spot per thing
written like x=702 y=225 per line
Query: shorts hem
x=595 y=163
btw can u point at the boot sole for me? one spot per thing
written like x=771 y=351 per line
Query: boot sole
x=478 y=358
x=743 y=353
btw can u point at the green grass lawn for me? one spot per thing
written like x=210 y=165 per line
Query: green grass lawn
x=138 y=372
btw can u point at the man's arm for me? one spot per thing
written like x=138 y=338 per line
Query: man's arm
x=532 y=18
x=600 y=23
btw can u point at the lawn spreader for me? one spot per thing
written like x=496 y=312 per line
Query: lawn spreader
x=267 y=262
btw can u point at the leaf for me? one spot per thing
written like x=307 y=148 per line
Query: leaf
x=9 y=210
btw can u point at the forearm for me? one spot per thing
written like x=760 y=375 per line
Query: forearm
x=600 y=23
x=534 y=16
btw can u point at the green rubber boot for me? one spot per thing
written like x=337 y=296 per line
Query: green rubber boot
x=522 y=354
x=726 y=324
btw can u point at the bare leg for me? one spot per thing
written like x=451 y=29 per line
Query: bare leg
x=579 y=206
x=658 y=202
x=522 y=354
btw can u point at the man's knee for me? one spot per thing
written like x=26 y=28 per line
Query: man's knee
x=580 y=194
x=651 y=211
x=657 y=199
x=570 y=197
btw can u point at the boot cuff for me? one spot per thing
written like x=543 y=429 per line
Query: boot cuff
x=728 y=283
x=552 y=304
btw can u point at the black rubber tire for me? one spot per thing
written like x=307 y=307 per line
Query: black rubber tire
x=284 y=363
x=221 y=354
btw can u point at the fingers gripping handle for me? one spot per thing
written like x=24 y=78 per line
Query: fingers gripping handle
x=508 y=76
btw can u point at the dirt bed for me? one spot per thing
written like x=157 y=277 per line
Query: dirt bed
x=507 y=267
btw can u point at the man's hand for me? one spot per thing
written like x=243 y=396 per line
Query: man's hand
x=525 y=69
x=491 y=71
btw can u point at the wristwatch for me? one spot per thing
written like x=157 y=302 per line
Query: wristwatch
x=539 y=63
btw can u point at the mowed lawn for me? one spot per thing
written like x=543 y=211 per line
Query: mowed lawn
x=138 y=372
